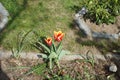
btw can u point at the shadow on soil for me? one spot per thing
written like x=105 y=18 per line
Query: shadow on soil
x=3 y=75
x=117 y=74
x=117 y=63
x=6 y=30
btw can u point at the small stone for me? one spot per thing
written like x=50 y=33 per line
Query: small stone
x=113 y=68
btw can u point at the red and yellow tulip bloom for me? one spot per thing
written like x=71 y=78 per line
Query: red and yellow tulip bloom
x=48 y=41
x=58 y=36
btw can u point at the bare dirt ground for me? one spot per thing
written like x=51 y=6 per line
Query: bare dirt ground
x=110 y=28
x=74 y=69
x=78 y=69
x=10 y=68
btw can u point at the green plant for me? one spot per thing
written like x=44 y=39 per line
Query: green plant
x=19 y=44
x=53 y=52
x=37 y=69
x=102 y=11
x=87 y=73
x=90 y=59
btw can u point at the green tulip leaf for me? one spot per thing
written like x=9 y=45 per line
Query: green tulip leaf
x=44 y=46
x=50 y=63
x=53 y=55
x=59 y=48
x=63 y=52
x=54 y=47
x=43 y=56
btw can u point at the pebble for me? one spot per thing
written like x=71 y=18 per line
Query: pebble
x=113 y=68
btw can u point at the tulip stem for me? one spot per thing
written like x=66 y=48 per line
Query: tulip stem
x=58 y=65
x=50 y=64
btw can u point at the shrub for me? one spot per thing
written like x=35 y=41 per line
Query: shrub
x=102 y=11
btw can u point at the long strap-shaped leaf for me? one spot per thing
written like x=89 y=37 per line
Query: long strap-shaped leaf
x=53 y=45
x=45 y=47
x=50 y=63
x=59 y=48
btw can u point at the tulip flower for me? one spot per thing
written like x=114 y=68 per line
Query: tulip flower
x=58 y=36
x=53 y=52
x=48 y=41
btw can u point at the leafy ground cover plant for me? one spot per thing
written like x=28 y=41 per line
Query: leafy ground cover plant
x=102 y=11
x=53 y=52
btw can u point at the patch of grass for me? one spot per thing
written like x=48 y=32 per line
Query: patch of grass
x=13 y=6
x=42 y=16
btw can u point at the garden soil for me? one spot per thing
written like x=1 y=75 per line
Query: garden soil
x=10 y=69
x=110 y=28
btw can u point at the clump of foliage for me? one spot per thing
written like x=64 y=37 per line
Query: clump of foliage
x=21 y=39
x=102 y=11
x=52 y=52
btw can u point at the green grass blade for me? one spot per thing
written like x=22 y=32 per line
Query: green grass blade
x=39 y=69
x=18 y=67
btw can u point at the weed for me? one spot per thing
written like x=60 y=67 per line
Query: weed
x=37 y=69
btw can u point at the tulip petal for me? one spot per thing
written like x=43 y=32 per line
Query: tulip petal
x=58 y=36
x=48 y=41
